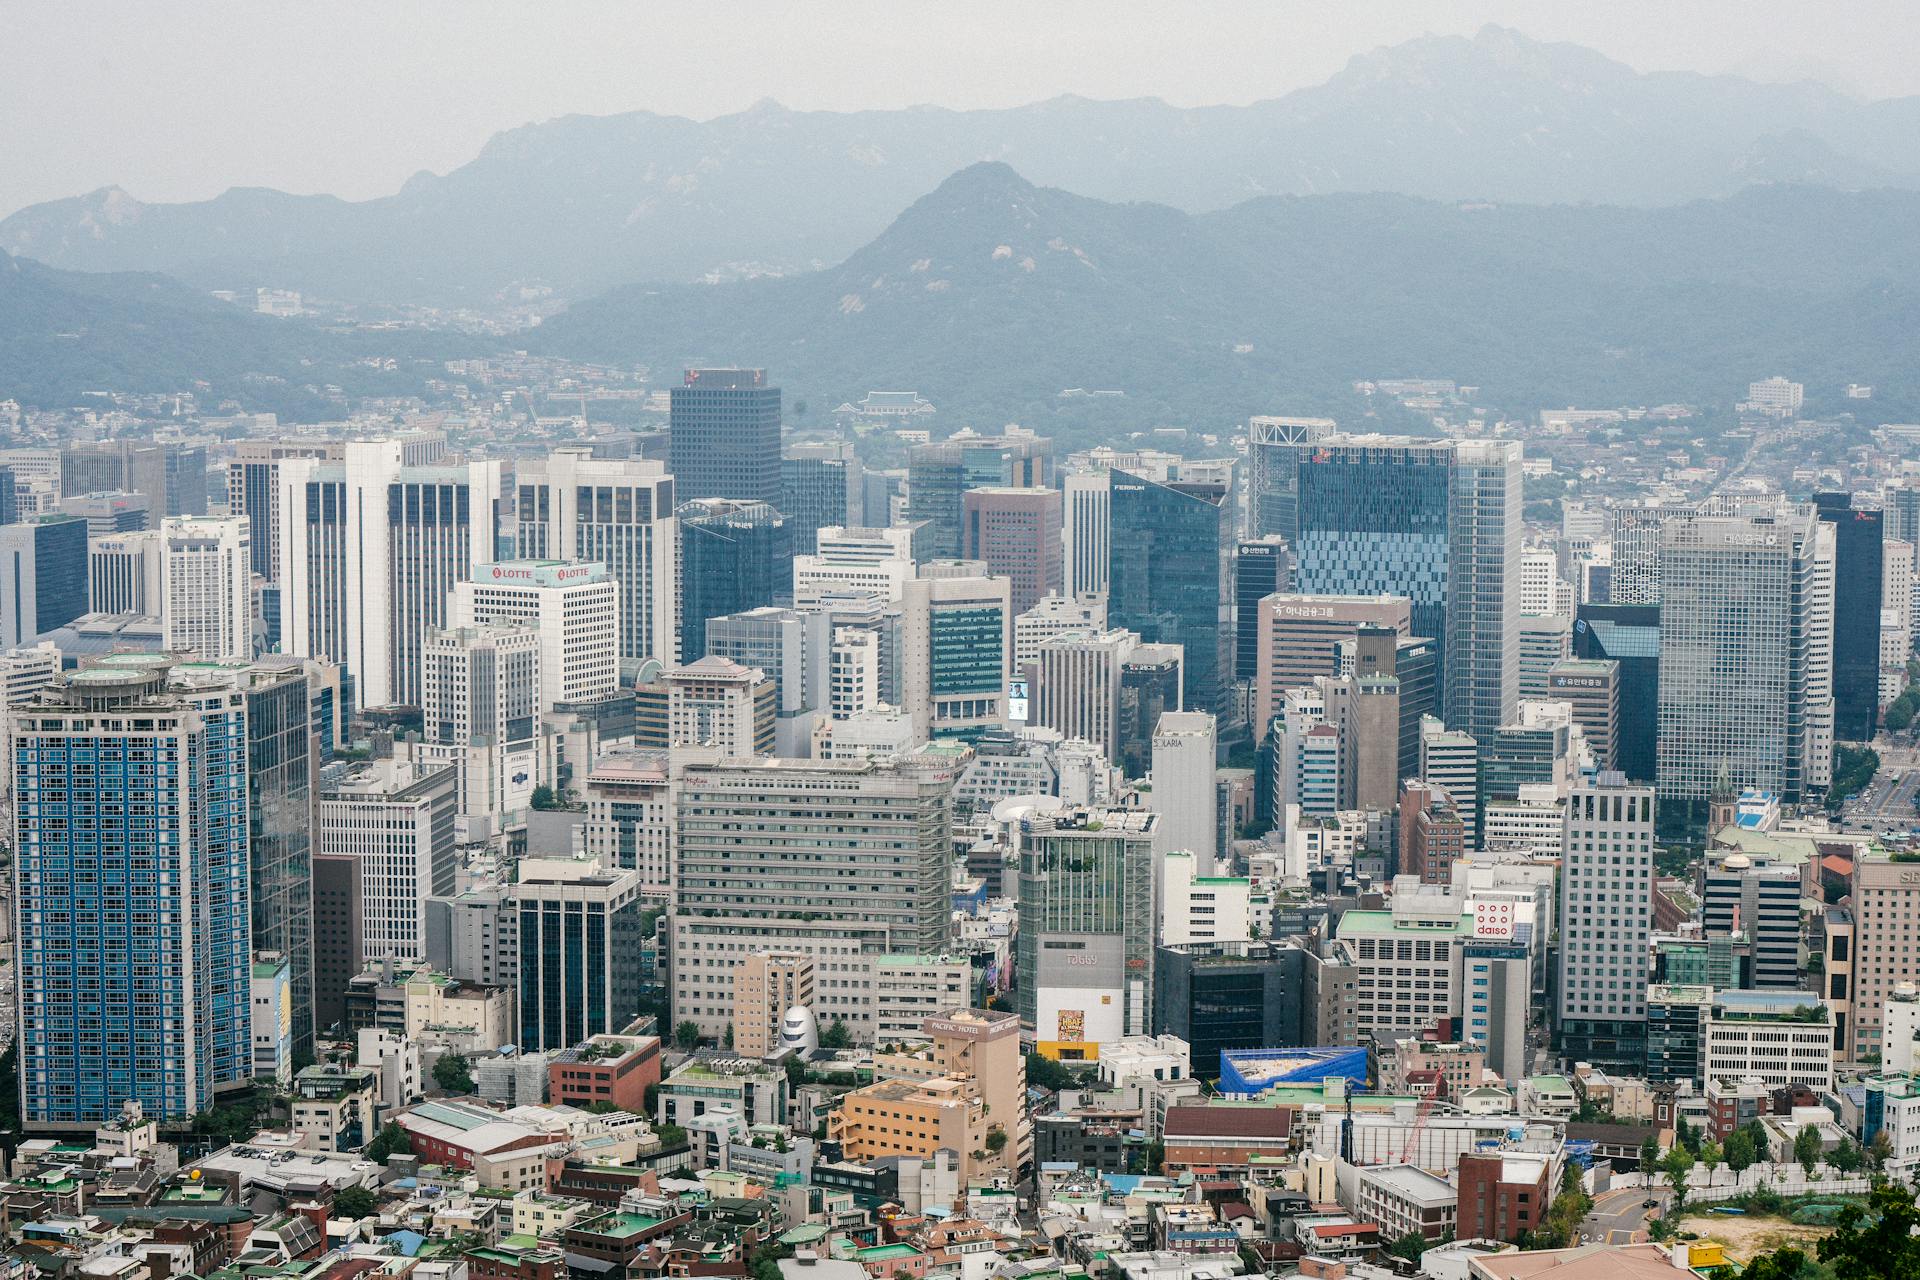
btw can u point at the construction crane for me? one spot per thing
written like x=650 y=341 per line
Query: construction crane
x=1420 y=1114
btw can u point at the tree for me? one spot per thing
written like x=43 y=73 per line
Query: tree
x=1762 y=1140
x=996 y=1141
x=1710 y=1155
x=350 y=1204
x=453 y=1074
x=1045 y=1073
x=1806 y=1148
x=1782 y=1264
x=1739 y=1150
x=837 y=1035
x=1881 y=1150
x=1409 y=1246
x=1649 y=1154
x=392 y=1140
x=544 y=799
x=1677 y=1165
x=766 y=1260
x=687 y=1034
x=1886 y=1247
x=796 y=1071
x=1847 y=1157
x=1685 y=1135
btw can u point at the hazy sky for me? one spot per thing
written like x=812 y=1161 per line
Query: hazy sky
x=179 y=99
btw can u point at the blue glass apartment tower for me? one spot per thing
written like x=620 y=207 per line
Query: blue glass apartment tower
x=1437 y=521
x=734 y=556
x=725 y=436
x=131 y=896
x=1167 y=577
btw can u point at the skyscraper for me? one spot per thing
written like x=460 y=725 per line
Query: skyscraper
x=1273 y=496
x=957 y=641
x=580 y=943
x=575 y=609
x=1746 y=645
x=110 y=513
x=1167 y=580
x=938 y=474
x=1017 y=533
x=1606 y=917
x=172 y=476
x=481 y=716
x=1628 y=634
x=43 y=577
x=613 y=511
x=1438 y=521
x=725 y=440
x=370 y=550
x=1076 y=689
x=819 y=486
x=396 y=819
x=206 y=602
x=1259 y=570
x=1087 y=531
x=132 y=917
x=1857 y=584
x=734 y=556
x=1085 y=951
x=253 y=491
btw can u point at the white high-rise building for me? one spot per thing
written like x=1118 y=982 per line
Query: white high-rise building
x=481 y=715
x=1542 y=594
x=1776 y=395
x=125 y=573
x=876 y=560
x=206 y=604
x=1055 y=616
x=957 y=652
x=618 y=512
x=1606 y=917
x=1183 y=788
x=718 y=703
x=575 y=608
x=629 y=824
x=396 y=818
x=1746 y=654
x=1077 y=686
x=1896 y=618
x=854 y=672
x=1087 y=532
x=370 y=550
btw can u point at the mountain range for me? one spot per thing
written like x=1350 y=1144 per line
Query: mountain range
x=582 y=204
x=992 y=296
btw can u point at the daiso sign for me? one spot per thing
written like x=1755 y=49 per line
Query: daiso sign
x=1493 y=920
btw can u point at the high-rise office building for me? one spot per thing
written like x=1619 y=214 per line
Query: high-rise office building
x=1543 y=641
x=1085 y=952
x=1451 y=759
x=1050 y=617
x=580 y=941
x=819 y=486
x=480 y=716
x=938 y=474
x=718 y=703
x=629 y=826
x=1076 y=687
x=1151 y=681
x=1592 y=687
x=133 y=947
x=1273 y=493
x=1016 y=532
x=1087 y=531
x=1184 y=744
x=370 y=549
x=126 y=573
x=1886 y=949
x=1167 y=580
x=854 y=560
x=842 y=860
x=957 y=638
x=1742 y=897
x=172 y=476
x=1627 y=634
x=618 y=512
x=1438 y=520
x=43 y=577
x=206 y=605
x=788 y=647
x=1298 y=637
x=734 y=556
x=1414 y=665
x=253 y=489
x=1746 y=644
x=575 y=608
x=725 y=437
x=1634 y=530
x=109 y=513
x=1857 y=586
x=1606 y=916
x=1260 y=569
x=396 y=819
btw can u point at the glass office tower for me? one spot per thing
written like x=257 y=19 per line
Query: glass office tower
x=1167 y=578
x=734 y=556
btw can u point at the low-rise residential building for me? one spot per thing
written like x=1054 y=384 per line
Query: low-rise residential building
x=1405 y=1199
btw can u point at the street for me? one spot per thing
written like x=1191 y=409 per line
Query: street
x=1619 y=1217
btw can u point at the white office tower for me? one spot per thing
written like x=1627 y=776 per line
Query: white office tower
x=396 y=819
x=1452 y=760
x=1746 y=654
x=843 y=861
x=629 y=824
x=1896 y=618
x=1077 y=686
x=1606 y=917
x=853 y=679
x=370 y=550
x=481 y=715
x=1054 y=616
x=1087 y=531
x=875 y=560
x=1542 y=593
x=1183 y=789
x=718 y=703
x=617 y=512
x=206 y=606
x=1543 y=642
x=575 y=608
x=1634 y=534
x=883 y=731
x=956 y=653
x=23 y=673
x=125 y=573
x=1312 y=755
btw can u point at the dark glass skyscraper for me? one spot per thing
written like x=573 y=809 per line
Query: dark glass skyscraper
x=937 y=474
x=734 y=556
x=1629 y=634
x=1856 y=615
x=815 y=481
x=725 y=436
x=1167 y=577
x=281 y=746
x=43 y=576
x=1259 y=570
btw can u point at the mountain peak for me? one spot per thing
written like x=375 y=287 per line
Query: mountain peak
x=983 y=178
